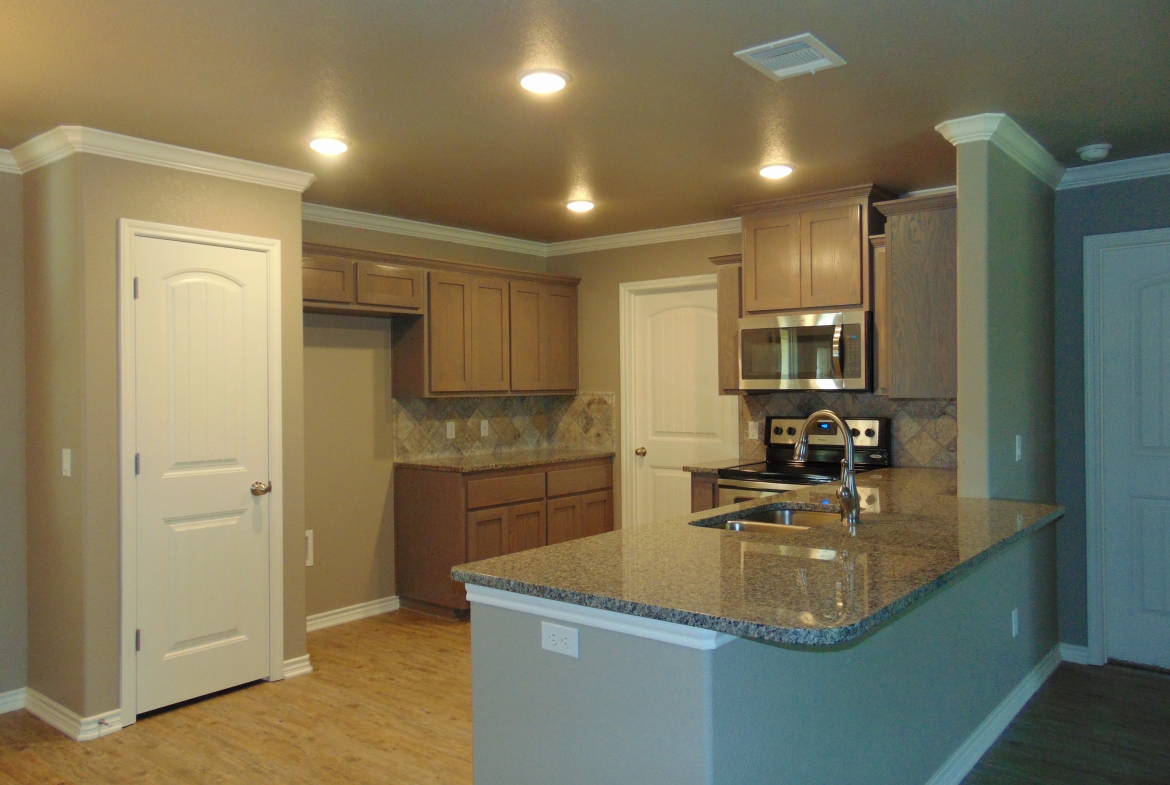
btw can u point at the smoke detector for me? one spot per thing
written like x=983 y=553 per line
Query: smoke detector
x=1094 y=152
x=800 y=54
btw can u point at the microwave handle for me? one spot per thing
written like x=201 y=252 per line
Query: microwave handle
x=838 y=348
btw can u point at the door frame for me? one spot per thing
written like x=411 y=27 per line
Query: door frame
x=1094 y=276
x=128 y=230
x=628 y=294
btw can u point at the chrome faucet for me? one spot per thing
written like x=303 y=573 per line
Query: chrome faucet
x=847 y=493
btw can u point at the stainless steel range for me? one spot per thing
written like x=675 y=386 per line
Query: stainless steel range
x=826 y=449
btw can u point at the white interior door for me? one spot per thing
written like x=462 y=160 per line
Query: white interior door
x=201 y=421
x=1135 y=450
x=679 y=417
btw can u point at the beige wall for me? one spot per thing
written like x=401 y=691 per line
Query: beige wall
x=13 y=621
x=601 y=272
x=1005 y=326
x=349 y=432
x=72 y=208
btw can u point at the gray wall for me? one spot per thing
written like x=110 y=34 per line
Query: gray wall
x=13 y=622
x=1128 y=206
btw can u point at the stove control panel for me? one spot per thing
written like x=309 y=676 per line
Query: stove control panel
x=866 y=433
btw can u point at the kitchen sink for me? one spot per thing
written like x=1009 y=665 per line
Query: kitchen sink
x=775 y=521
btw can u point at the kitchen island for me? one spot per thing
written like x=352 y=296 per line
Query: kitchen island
x=701 y=655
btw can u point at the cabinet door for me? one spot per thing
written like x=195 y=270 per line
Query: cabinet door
x=771 y=262
x=450 y=328
x=526 y=527
x=596 y=513
x=882 y=350
x=559 y=333
x=728 y=289
x=526 y=305
x=490 y=367
x=325 y=279
x=391 y=285
x=564 y=519
x=830 y=257
x=487 y=533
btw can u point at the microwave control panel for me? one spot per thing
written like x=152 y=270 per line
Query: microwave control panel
x=853 y=351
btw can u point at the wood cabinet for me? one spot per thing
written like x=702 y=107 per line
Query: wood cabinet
x=543 y=337
x=327 y=279
x=450 y=344
x=729 y=310
x=881 y=316
x=807 y=252
x=391 y=285
x=445 y=518
x=490 y=331
x=704 y=492
x=921 y=295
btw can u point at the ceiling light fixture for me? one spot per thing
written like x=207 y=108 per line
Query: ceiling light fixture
x=580 y=205
x=1094 y=152
x=328 y=145
x=775 y=171
x=543 y=81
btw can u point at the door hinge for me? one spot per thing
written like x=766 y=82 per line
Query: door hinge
x=135 y=288
x=137 y=463
x=138 y=640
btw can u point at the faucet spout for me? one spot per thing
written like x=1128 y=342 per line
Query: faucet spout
x=847 y=493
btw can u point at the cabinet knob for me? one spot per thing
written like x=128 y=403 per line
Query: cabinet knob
x=640 y=452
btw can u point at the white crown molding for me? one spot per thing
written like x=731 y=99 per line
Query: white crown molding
x=1003 y=132
x=384 y=223
x=1116 y=171
x=66 y=140
x=646 y=237
x=8 y=163
x=68 y=721
x=363 y=610
x=11 y=700
x=653 y=629
x=297 y=666
x=939 y=191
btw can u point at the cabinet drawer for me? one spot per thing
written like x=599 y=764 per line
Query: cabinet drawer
x=579 y=480
x=327 y=280
x=390 y=285
x=491 y=491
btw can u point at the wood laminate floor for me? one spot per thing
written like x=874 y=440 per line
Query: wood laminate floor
x=389 y=701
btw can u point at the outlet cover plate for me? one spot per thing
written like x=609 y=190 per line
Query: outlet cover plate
x=558 y=638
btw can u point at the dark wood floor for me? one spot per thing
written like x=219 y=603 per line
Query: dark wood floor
x=1085 y=726
x=390 y=701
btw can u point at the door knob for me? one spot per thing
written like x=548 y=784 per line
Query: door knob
x=259 y=488
x=640 y=452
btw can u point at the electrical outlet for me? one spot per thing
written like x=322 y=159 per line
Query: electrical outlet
x=67 y=462
x=308 y=547
x=1015 y=622
x=483 y=427
x=1019 y=447
x=754 y=430
x=558 y=638
x=450 y=429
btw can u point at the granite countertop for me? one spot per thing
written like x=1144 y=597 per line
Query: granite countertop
x=918 y=537
x=504 y=459
x=711 y=467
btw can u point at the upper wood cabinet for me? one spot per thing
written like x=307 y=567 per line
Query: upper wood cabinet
x=807 y=252
x=450 y=354
x=730 y=310
x=919 y=356
x=543 y=336
x=881 y=316
x=326 y=279
x=392 y=285
x=490 y=350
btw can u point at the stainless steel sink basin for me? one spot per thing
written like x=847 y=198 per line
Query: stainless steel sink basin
x=776 y=521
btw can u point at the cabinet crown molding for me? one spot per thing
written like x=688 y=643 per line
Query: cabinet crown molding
x=917 y=204
x=1003 y=132
x=867 y=191
x=66 y=140
x=731 y=258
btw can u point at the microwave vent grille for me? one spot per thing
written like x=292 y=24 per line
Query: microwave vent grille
x=800 y=54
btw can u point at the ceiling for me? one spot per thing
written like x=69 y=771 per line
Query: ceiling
x=660 y=125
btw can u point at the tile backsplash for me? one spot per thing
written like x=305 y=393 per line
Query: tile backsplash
x=582 y=421
x=925 y=432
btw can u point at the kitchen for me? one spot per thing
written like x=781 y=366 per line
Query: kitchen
x=461 y=375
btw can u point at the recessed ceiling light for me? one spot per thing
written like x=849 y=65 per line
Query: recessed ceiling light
x=775 y=171
x=580 y=205
x=328 y=145
x=543 y=81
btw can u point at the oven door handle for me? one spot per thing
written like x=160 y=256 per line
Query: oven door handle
x=838 y=350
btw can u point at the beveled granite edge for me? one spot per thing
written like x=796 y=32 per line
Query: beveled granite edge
x=514 y=459
x=826 y=636
x=713 y=467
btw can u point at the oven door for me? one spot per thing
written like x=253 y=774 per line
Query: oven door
x=812 y=351
x=739 y=491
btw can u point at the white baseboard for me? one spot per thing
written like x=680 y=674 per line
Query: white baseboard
x=11 y=700
x=69 y=722
x=319 y=621
x=964 y=759
x=297 y=666
x=1072 y=653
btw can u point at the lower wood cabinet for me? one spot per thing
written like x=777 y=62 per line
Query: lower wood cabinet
x=704 y=492
x=445 y=517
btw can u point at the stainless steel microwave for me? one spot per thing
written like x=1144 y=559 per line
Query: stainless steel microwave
x=807 y=351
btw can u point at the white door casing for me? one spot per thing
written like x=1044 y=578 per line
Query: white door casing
x=671 y=405
x=202 y=566
x=1127 y=445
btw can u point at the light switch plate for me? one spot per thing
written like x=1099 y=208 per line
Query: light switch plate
x=483 y=427
x=308 y=547
x=1019 y=447
x=558 y=638
x=67 y=462
x=450 y=429
x=1015 y=622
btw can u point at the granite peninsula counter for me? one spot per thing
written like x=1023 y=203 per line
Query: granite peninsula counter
x=708 y=656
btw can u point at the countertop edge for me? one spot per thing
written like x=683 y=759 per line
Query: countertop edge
x=518 y=463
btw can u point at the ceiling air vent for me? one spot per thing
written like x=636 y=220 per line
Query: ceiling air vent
x=800 y=54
